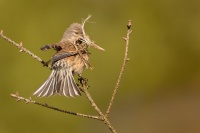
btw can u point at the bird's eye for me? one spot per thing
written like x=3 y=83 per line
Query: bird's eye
x=79 y=41
x=76 y=32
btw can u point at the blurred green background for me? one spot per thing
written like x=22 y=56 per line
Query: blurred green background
x=159 y=92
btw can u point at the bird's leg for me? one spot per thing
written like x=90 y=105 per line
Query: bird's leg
x=81 y=78
x=83 y=81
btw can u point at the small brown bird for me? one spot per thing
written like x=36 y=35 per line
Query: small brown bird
x=71 y=58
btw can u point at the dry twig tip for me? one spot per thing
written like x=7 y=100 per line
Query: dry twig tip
x=129 y=24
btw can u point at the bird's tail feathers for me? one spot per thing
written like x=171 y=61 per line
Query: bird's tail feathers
x=61 y=81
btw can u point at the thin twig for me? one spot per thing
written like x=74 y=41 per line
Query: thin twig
x=96 y=46
x=92 y=102
x=83 y=24
x=86 y=38
x=107 y=122
x=105 y=119
x=84 y=88
x=22 y=49
x=122 y=68
x=19 y=98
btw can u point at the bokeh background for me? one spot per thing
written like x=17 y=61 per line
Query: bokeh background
x=159 y=92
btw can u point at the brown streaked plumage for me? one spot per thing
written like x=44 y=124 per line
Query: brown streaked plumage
x=66 y=62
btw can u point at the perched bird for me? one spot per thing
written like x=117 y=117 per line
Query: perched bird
x=71 y=58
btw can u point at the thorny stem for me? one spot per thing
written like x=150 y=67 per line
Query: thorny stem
x=122 y=69
x=105 y=119
x=19 y=98
x=84 y=88
x=22 y=49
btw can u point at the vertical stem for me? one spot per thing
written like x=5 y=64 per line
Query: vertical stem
x=122 y=69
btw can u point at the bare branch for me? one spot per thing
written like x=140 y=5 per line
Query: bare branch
x=22 y=49
x=84 y=88
x=19 y=98
x=122 y=68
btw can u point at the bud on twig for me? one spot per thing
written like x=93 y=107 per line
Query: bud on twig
x=129 y=24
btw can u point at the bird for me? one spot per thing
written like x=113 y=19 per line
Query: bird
x=71 y=58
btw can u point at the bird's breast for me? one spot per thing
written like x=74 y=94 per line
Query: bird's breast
x=76 y=63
